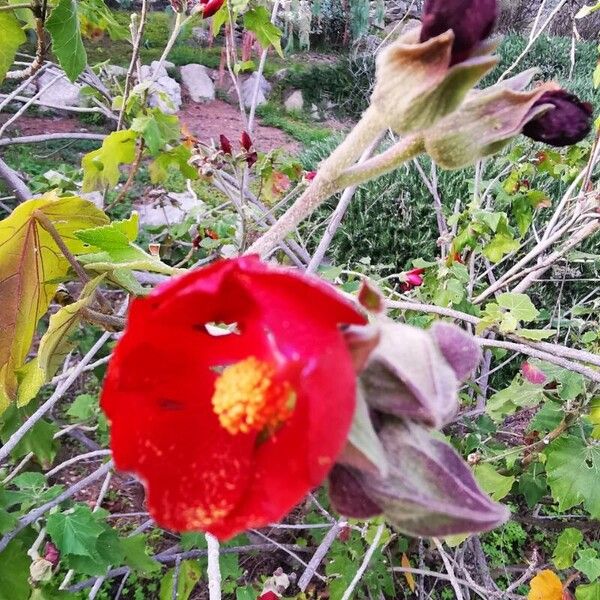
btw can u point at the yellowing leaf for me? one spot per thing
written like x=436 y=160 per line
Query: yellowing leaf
x=409 y=576
x=30 y=266
x=546 y=585
x=54 y=346
x=101 y=167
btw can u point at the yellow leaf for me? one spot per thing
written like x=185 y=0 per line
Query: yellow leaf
x=409 y=576
x=31 y=265
x=546 y=585
x=54 y=346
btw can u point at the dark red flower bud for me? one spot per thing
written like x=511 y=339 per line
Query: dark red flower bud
x=210 y=7
x=51 y=553
x=270 y=595
x=225 y=144
x=246 y=141
x=567 y=123
x=310 y=175
x=472 y=21
x=251 y=158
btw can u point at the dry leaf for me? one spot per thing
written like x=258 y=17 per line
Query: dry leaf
x=409 y=576
x=546 y=585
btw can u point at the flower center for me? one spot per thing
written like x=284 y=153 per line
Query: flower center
x=248 y=398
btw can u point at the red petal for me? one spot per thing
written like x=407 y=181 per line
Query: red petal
x=161 y=379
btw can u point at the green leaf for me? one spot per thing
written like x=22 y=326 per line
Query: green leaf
x=588 y=592
x=74 y=531
x=245 y=593
x=116 y=250
x=533 y=484
x=7 y=521
x=101 y=167
x=12 y=37
x=177 y=158
x=219 y=19
x=83 y=408
x=14 y=572
x=519 y=305
x=518 y=394
x=589 y=564
x=157 y=128
x=547 y=418
x=536 y=335
x=189 y=575
x=191 y=540
x=136 y=557
x=573 y=470
x=566 y=546
x=30 y=265
x=496 y=485
x=54 y=346
x=258 y=20
x=63 y=26
x=499 y=246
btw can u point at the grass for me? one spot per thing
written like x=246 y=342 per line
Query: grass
x=294 y=124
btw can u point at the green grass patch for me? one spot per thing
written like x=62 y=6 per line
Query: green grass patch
x=295 y=125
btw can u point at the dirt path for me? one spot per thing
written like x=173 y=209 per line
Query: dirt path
x=205 y=121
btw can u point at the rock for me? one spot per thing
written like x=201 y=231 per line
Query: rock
x=295 y=101
x=198 y=83
x=264 y=89
x=202 y=36
x=115 y=71
x=280 y=75
x=169 y=210
x=165 y=92
x=61 y=93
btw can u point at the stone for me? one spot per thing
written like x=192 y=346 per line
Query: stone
x=197 y=81
x=295 y=101
x=280 y=75
x=170 y=209
x=202 y=36
x=165 y=92
x=264 y=89
x=115 y=71
x=61 y=93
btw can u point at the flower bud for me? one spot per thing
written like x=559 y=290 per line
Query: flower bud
x=210 y=7
x=430 y=491
x=486 y=122
x=567 y=121
x=225 y=144
x=407 y=376
x=246 y=141
x=416 y=85
x=472 y=21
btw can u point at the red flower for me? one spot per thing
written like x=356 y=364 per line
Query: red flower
x=310 y=175
x=210 y=7
x=231 y=431
x=412 y=279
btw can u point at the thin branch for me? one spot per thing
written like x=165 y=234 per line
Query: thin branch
x=50 y=137
x=213 y=571
x=365 y=563
x=14 y=182
x=319 y=555
x=17 y=436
